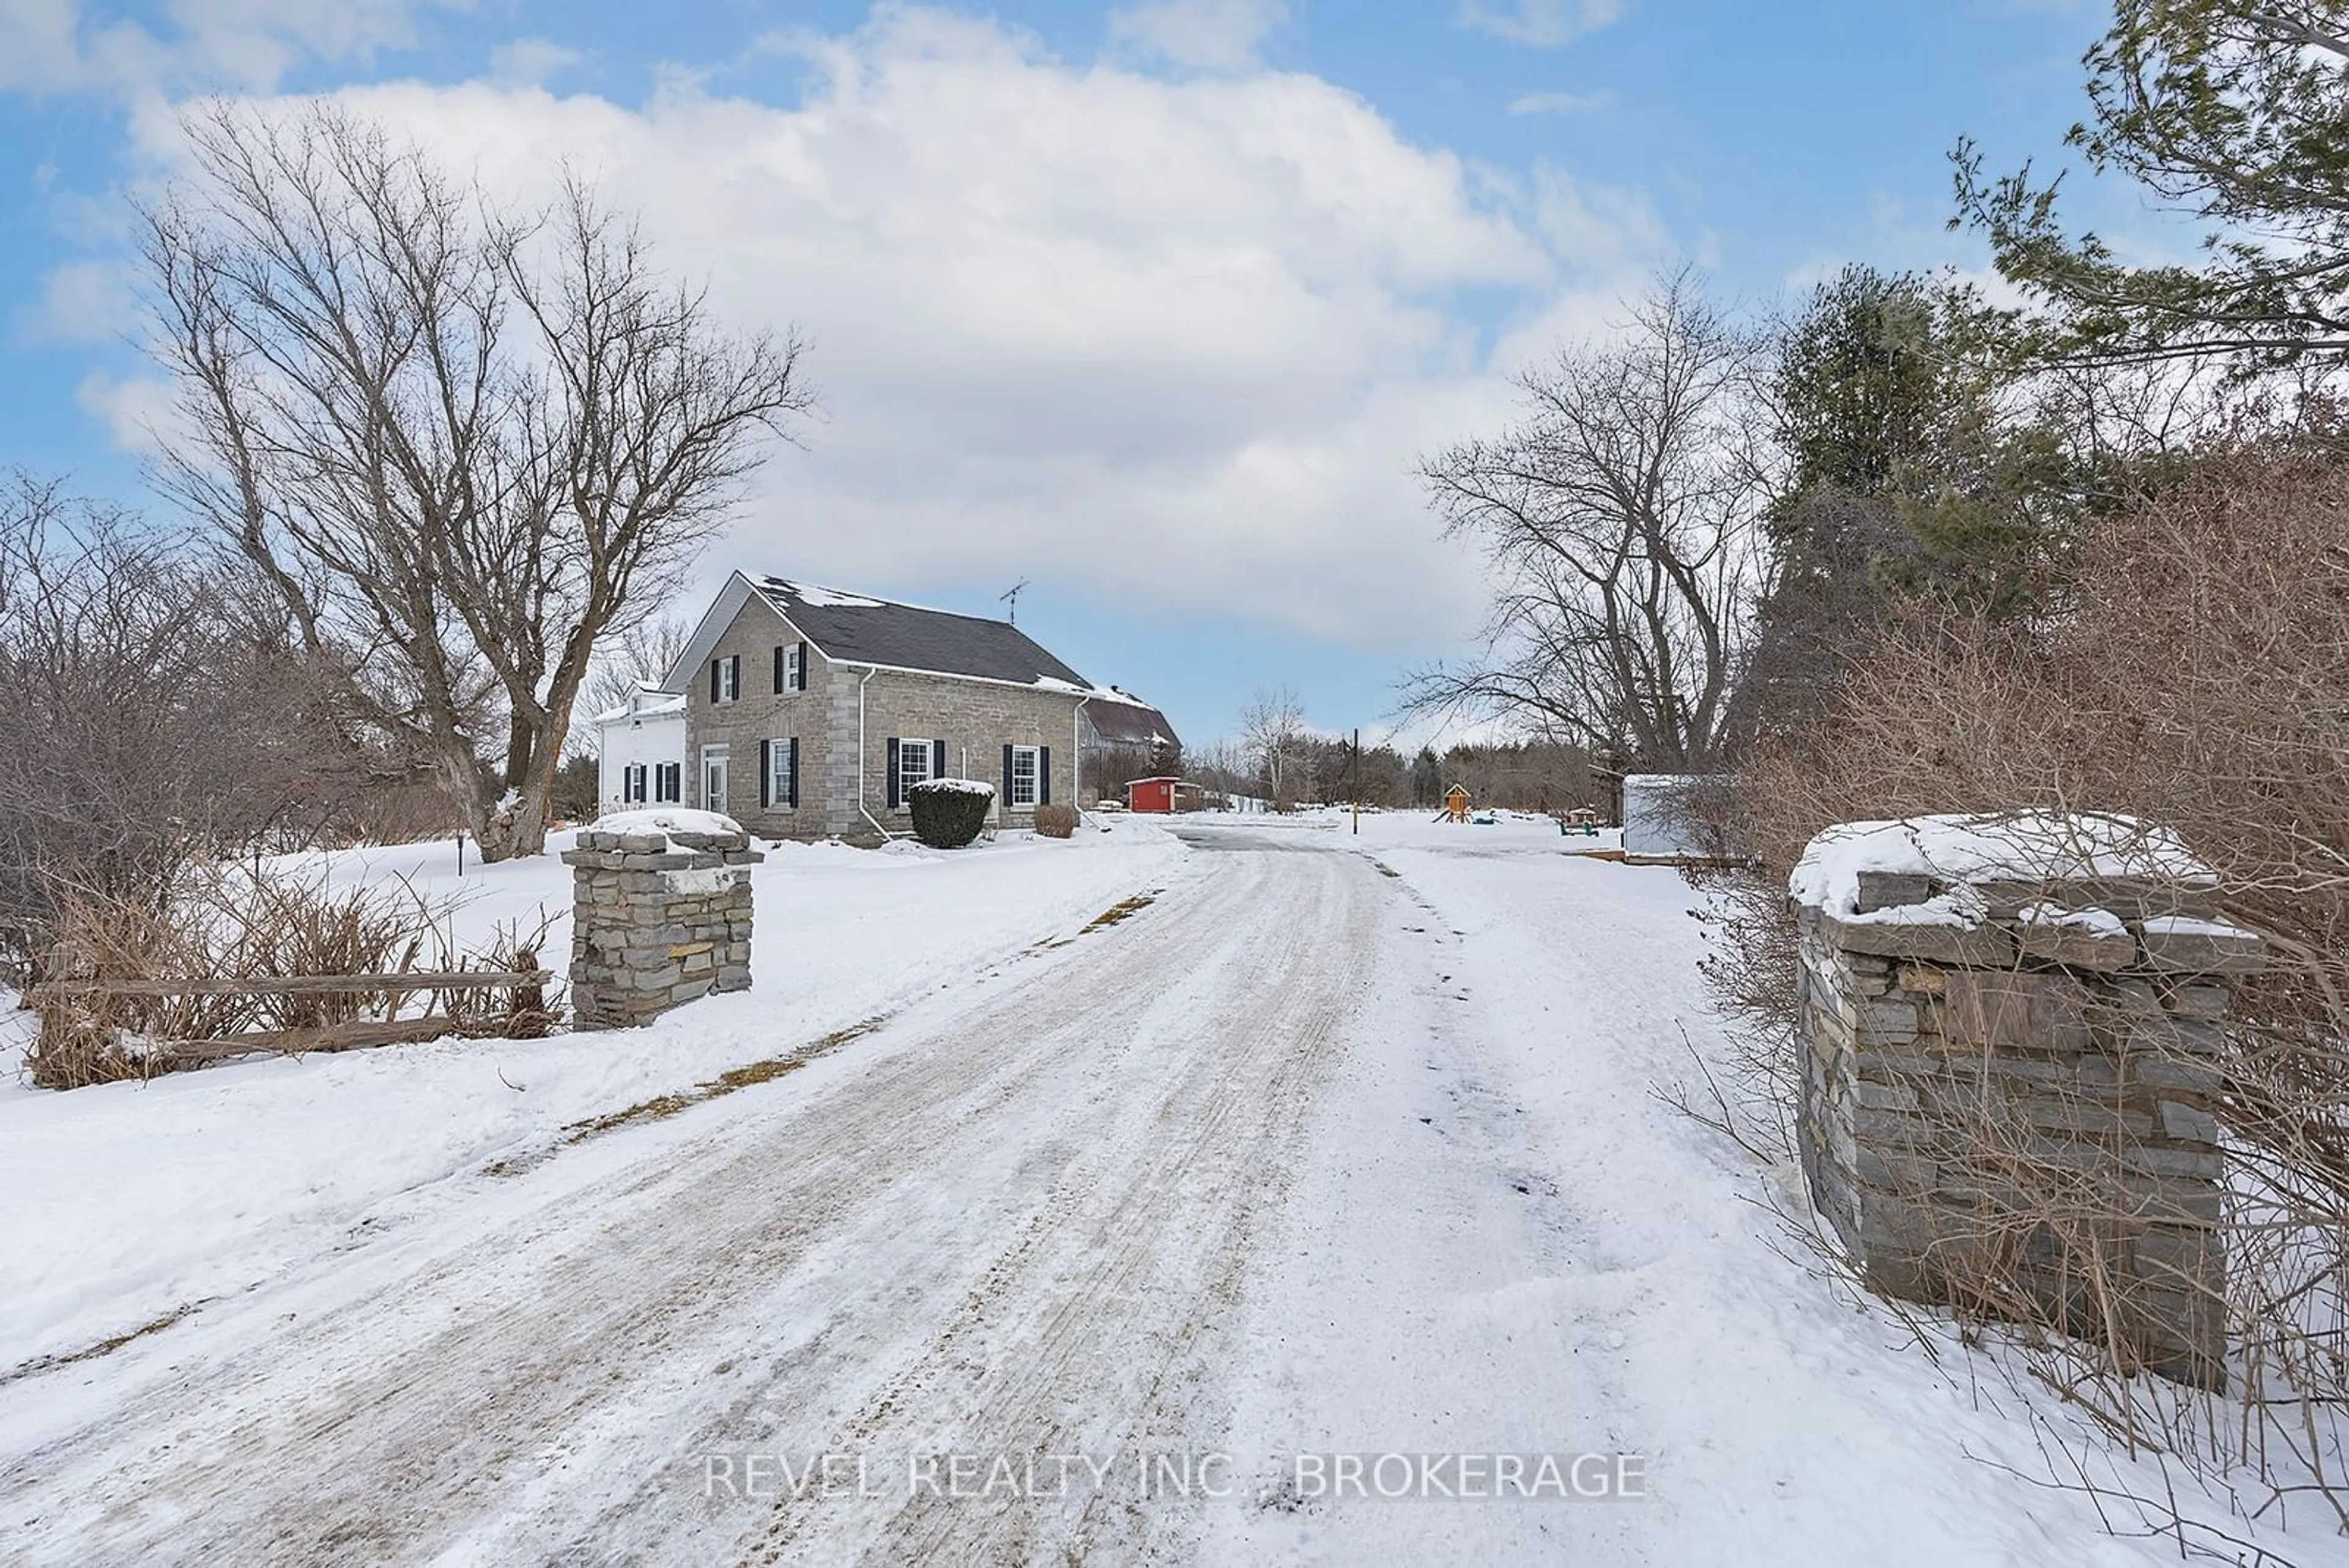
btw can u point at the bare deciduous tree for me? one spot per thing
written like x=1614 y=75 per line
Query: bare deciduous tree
x=1621 y=520
x=1273 y=733
x=143 y=726
x=460 y=445
x=636 y=656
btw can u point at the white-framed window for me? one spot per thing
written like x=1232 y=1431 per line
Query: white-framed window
x=912 y=766
x=668 y=783
x=632 y=784
x=713 y=778
x=1024 y=773
x=794 y=668
x=726 y=677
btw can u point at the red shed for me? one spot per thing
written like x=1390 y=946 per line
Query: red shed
x=1151 y=795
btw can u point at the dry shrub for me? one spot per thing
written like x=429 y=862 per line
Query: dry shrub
x=1056 y=819
x=221 y=923
x=2197 y=677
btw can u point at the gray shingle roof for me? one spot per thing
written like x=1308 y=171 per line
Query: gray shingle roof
x=1123 y=720
x=863 y=630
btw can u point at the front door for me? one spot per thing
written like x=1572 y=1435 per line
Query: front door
x=713 y=778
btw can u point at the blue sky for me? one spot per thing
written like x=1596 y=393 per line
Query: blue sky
x=1152 y=304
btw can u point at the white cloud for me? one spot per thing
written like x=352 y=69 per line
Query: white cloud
x=1208 y=35
x=1544 y=23
x=83 y=302
x=132 y=408
x=1561 y=102
x=37 y=43
x=63 y=46
x=532 y=62
x=1172 y=344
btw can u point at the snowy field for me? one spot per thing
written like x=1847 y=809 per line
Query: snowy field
x=1342 y=1145
x=133 y=1200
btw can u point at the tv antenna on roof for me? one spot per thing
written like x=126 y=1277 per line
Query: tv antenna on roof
x=1013 y=598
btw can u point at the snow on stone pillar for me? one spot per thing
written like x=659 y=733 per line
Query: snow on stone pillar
x=2011 y=1042
x=660 y=914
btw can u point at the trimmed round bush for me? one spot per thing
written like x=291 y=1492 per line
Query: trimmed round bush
x=948 y=813
x=1056 y=819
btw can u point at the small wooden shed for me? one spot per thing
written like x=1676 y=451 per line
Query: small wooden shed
x=1455 y=803
x=1153 y=795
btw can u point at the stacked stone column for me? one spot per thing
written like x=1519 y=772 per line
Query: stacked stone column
x=658 y=919
x=2012 y=1111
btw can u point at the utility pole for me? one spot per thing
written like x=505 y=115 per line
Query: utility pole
x=1358 y=782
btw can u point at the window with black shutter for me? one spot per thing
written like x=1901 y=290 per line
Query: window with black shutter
x=911 y=762
x=779 y=767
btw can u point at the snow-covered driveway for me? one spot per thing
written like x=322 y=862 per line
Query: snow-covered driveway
x=1341 y=1148
x=1006 y=1223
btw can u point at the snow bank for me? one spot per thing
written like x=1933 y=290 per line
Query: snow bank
x=129 y=1200
x=2009 y=847
x=665 y=819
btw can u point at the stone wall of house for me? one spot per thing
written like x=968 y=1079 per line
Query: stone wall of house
x=761 y=713
x=977 y=720
x=2007 y=1101
x=658 y=919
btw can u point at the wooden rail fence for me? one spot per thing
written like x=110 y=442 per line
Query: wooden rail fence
x=527 y=1015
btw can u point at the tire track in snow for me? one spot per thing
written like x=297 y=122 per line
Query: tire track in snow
x=1069 y=1313
x=537 y=1391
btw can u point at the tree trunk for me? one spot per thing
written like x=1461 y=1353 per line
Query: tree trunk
x=514 y=828
x=514 y=825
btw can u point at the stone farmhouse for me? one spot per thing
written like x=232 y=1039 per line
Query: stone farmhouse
x=810 y=712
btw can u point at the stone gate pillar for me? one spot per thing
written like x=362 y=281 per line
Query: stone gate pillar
x=660 y=915
x=2011 y=1039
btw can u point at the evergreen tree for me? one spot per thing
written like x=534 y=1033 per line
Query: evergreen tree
x=2234 y=111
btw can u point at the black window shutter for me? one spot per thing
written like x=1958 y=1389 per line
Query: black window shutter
x=734 y=673
x=938 y=759
x=791 y=772
x=1043 y=776
x=779 y=682
x=896 y=797
x=713 y=678
x=803 y=682
x=766 y=774
x=1006 y=778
